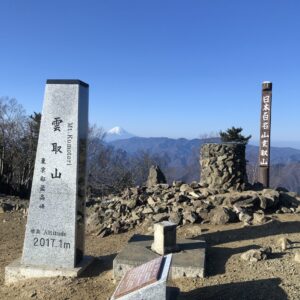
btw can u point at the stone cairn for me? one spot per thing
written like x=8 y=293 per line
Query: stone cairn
x=223 y=166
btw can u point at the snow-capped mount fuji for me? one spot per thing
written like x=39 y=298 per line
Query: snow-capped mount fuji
x=117 y=133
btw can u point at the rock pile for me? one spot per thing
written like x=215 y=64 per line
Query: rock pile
x=184 y=204
x=223 y=166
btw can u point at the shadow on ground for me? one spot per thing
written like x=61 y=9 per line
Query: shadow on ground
x=249 y=290
x=218 y=256
x=99 y=265
x=251 y=232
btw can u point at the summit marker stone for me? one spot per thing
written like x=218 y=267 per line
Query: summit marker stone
x=54 y=236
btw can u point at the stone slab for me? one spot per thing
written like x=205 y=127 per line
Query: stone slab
x=16 y=271
x=156 y=290
x=188 y=262
x=54 y=234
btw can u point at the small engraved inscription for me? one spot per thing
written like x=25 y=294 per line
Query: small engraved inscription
x=56 y=123
x=51 y=243
x=69 y=144
x=56 y=148
x=56 y=174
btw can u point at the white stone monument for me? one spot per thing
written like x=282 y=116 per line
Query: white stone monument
x=54 y=237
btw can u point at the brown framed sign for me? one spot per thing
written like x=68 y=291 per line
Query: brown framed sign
x=265 y=132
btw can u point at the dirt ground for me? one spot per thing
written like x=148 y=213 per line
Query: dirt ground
x=228 y=277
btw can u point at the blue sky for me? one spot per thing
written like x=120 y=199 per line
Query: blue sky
x=159 y=67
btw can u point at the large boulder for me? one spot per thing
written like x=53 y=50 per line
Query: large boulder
x=222 y=215
x=268 y=198
x=155 y=176
x=288 y=199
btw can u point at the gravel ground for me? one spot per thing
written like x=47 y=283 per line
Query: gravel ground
x=228 y=277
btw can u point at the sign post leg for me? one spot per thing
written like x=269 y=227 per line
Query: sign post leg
x=264 y=173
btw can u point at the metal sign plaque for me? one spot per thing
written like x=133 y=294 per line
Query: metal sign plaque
x=139 y=277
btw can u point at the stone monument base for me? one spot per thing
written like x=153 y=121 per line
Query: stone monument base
x=189 y=261
x=16 y=271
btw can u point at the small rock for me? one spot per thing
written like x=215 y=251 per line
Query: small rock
x=175 y=218
x=285 y=210
x=131 y=203
x=103 y=232
x=283 y=243
x=160 y=217
x=217 y=199
x=245 y=218
x=259 y=219
x=203 y=213
x=164 y=186
x=197 y=203
x=167 y=196
x=194 y=195
x=33 y=294
x=151 y=202
x=177 y=183
x=190 y=216
x=205 y=192
x=181 y=198
x=254 y=255
x=135 y=216
x=186 y=188
x=297 y=256
x=194 y=184
x=116 y=227
x=172 y=200
x=147 y=210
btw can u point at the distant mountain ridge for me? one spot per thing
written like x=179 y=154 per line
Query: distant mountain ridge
x=183 y=158
x=183 y=147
